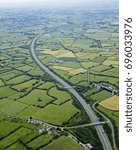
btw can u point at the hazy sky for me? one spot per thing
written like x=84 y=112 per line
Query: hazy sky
x=13 y=3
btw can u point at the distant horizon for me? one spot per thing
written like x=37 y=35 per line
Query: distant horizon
x=53 y=3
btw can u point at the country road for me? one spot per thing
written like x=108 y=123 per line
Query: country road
x=103 y=137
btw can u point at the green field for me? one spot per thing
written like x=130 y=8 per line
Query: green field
x=101 y=95
x=36 y=97
x=6 y=128
x=18 y=79
x=13 y=137
x=55 y=114
x=39 y=141
x=28 y=112
x=6 y=91
x=11 y=107
x=63 y=143
x=16 y=146
x=60 y=98
x=25 y=85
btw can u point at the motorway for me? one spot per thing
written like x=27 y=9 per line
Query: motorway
x=103 y=137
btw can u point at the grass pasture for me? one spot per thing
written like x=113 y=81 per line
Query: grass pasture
x=15 y=146
x=101 y=95
x=61 y=96
x=14 y=137
x=70 y=64
x=11 y=107
x=25 y=85
x=6 y=91
x=1 y=83
x=36 y=72
x=46 y=85
x=100 y=68
x=36 y=97
x=8 y=75
x=18 y=79
x=6 y=128
x=28 y=112
x=64 y=142
x=39 y=141
x=90 y=64
x=56 y=114
x=25 y=68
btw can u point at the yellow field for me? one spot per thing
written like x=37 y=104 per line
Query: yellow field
x=110 y=62
x=114 y=58
x=86 y=55
x=107 y=44
x=58 y=53
x=51 y=52
x=66 y=54
x=76 y=71
x=111 y=103
x=89 y=64
x=62 y=68
x=70 y=70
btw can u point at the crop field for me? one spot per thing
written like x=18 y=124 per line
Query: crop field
x=89 y=56
x=111 y=62
x=62 y=68
x=54 y=52
x=77 y=71
x=70 y=70
x=66 y=54
x=112 y=103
